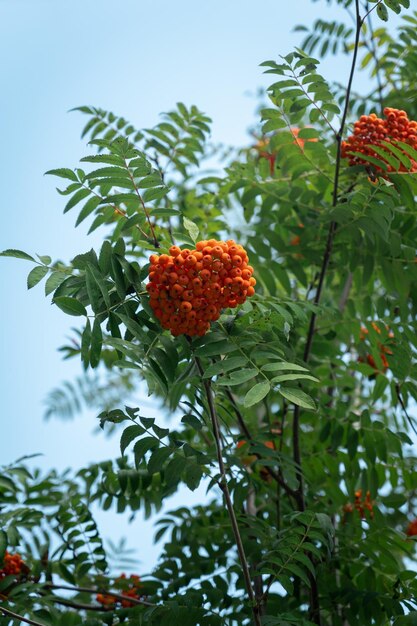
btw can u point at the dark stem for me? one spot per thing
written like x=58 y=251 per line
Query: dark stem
x=401 y=401
x=147 y=215
x=277 y=476
x=26 y=620
x=257 y=580
x=373 y=51
x=92 y=590
x=225 y=490
x=314 y=595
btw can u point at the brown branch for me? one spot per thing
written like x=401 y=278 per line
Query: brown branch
x=92 y=590
x=401 y=401
x=26 y=620
x=225 y=490
x=314 y=610
x=373 y=50
x=275 y=475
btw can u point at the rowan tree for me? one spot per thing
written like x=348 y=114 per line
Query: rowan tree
x=271 y=305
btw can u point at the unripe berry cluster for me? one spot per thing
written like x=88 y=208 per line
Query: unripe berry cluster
x=12 y=565
x=371 y=130
x=383 y=349
x=189 y=288
x=129 y=587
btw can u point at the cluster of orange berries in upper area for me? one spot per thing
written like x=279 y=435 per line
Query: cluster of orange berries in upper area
x=370 y=130
x=129 y=587
x=384 y=350
x=360 y=504
x=189 y=288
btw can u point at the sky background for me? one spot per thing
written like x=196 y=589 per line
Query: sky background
x=137 y=59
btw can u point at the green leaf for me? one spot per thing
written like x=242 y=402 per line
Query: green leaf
x=382 y=12
x=63 y=172
x=70 y=306
x=273 y=367
x=129 y=434
x=88 y=208
x=46 y=260
x=85 y=344
x=284 y=377
x=216 y=349
x=193 y=475
x=257 y=393
x=225 y=365
x=96 y=344
x=36 y=275
x=239 y=377
x=158 y=459
x=76 y=198
x=17 y=254
x=191 y=228
x=53 y=281
x=407 y=620
x=296 y=396
x=142 y=446
x=192 y=421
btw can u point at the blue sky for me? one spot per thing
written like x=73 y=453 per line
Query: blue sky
x=137 y=59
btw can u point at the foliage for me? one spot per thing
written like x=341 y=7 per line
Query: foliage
x=316 y=373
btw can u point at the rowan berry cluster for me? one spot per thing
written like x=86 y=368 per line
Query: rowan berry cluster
x=13 y=565
x=383 y=349
x=371 y=130
x=129 y=587
x=360 y=504
x=189 y=288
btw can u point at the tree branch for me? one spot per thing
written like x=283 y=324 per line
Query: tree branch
x=92 y=590
x=245 y=430
x=26 y=620
x=225 y=489
x=314 y=596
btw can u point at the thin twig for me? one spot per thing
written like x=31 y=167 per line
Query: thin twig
x=314 y=595
x=92 y=590
x=373 y=50
x=225 y=490
x=26 y=620
x=401 y=401
x=155 y=241
x=245 y=430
